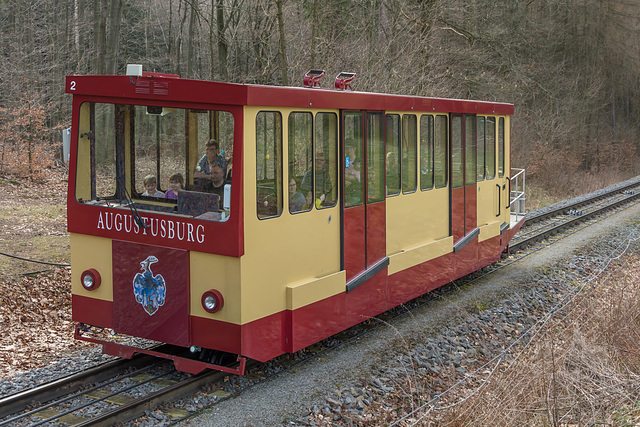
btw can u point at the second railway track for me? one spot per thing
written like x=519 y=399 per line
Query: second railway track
x=568 y=215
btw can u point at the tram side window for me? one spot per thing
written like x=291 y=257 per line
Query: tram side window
x=353 y=159
x=392 y=141
x=426 y=152
x=269 y=164
x=470 y=155
x=457 y=154
x=104 y=151
x=409 y=142
x=490 y=143
x=300 y=160
x=375 y=157
x=501 y=147
x=480 y=143
x=326 y=161
x=441 y=151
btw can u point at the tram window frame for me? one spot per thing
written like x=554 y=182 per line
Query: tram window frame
x=276 y=162
x=392 y=142
x=457 y=151
x=490 y=143
x=427 y=159
x=100 y=171
x=409 y=152
x=375 y=178
x=354 y=134
x=127 y=142
x=441 y=151
x=329 y=149
x=501 y=147
x=480 y=148
x=470 y=158
x=303 y=157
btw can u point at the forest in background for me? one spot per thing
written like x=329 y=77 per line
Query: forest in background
x=569 y=66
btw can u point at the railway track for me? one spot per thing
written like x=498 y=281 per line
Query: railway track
x=124 y=390
x=114 y=392
x=553 y=221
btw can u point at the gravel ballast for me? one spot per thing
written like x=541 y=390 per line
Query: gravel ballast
x=440 y=336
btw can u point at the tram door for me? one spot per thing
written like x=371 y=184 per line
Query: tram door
x=363 y=201
x=463 y=177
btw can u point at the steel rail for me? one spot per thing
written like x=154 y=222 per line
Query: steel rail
x=137 y=408
x=591 y=199
x=570 y=223
x=64 y=386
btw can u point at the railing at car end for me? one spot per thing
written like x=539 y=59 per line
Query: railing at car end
x=517 y=196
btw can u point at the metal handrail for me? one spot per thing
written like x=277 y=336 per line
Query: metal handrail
x=517 y=194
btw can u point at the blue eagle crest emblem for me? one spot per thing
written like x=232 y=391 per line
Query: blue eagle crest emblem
x=150 y=290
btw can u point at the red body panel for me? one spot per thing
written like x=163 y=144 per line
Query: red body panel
x=354 y=241
x=376 y=232
x=224 y=238
x=457 y=213
x=168 y=320
x=92 y=311
x=471 y=211
x=198 y=94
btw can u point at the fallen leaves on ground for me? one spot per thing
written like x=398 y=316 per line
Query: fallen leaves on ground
x=35 y=313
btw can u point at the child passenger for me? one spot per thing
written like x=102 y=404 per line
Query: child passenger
x=150 y=184
x=176 y=182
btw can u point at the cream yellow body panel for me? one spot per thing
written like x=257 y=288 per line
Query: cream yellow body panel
x=488 y=231
x=308 y=292
x=274 y=258
x=210 y=271
x=91 y=252
x=413 y=256
x=417 y=218
x=487 y=208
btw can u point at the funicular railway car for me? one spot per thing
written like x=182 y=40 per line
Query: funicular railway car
x=313 y=210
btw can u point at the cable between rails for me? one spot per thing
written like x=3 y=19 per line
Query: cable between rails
x=36 y=261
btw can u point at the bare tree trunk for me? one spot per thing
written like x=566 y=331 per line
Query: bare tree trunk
x=178 y=52
x=113 y=41
x=283 y=44
x=191 y=39
x=170 y=38
x=100 y=17
x=212 y=61
x=314 y=29
x=223 y=67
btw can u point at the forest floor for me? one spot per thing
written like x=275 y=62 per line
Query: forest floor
x=35 y=299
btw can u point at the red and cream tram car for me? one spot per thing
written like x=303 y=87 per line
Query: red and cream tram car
x=312 y=210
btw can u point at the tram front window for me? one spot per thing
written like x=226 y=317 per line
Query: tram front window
x=153 y=157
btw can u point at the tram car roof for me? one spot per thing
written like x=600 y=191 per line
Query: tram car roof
x=161 y=88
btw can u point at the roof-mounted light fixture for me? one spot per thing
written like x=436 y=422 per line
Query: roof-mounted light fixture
x=343 y=80
x=312 y=78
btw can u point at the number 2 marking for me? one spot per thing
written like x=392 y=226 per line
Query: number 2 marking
x=73 y=85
